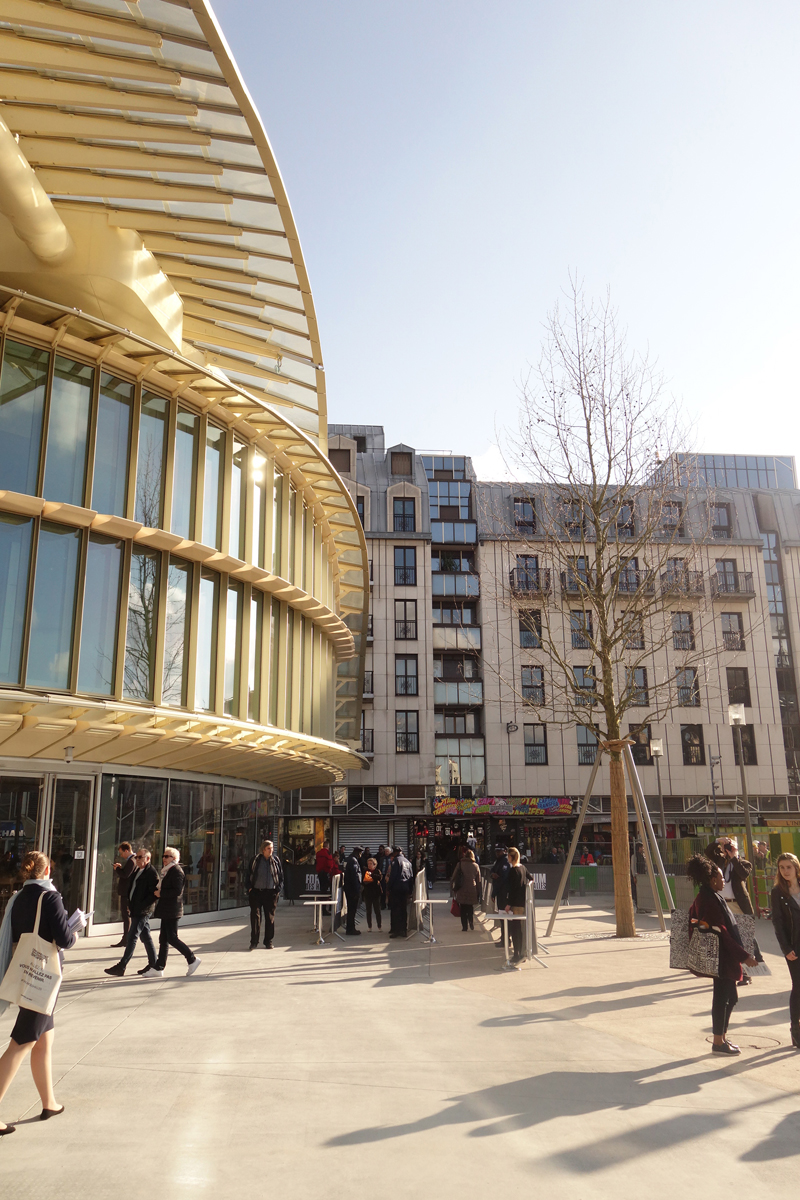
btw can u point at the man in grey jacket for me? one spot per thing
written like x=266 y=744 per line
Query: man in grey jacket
x=264 y=882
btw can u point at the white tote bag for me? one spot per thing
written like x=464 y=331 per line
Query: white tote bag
x=34 y=973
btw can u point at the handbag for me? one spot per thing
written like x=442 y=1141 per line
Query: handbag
x=679 y=940
x=34 y=973
x=703 y=958
x=455 y=909
x=746 y=924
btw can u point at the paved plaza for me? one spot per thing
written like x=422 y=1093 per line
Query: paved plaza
x=425 y=1069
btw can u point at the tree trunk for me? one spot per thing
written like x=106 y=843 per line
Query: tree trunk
x=623 y=900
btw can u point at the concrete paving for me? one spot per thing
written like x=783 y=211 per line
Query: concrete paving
x=407 y=1068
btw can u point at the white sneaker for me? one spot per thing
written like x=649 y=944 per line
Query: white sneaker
x=193 y=966
x=153 y=973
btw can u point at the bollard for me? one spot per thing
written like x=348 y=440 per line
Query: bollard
x=582 y=885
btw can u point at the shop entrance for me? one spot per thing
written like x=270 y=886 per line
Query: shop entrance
x=69 y=838
x=444 y=838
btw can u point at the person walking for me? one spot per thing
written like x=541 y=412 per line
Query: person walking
x=372 y=891
x=785 y=904
x=352 y=889
x=124 y=871
x=264 y=882
x=385 y=866
x=517 y=883
x=710 y=910
x=141 y=902
x=499 y=877
x=401 y=885
x=465 y=884
x=33 y=1031
x=169 y=910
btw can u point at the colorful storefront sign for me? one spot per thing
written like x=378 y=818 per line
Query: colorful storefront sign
x=504 y=806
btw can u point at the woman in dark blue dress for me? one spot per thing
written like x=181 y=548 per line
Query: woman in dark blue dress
x=33 y=1031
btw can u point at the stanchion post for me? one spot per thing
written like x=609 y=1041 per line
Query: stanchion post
x=636 y=784
x=646 y=845
x=573 y=844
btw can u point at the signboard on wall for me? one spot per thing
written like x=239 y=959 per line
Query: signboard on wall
x=504 y=806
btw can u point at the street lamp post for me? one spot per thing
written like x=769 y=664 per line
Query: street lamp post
x=656 y=752
x=736 y=718
x=714 y=760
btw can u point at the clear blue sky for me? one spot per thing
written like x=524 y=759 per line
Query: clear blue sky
x=449 y=162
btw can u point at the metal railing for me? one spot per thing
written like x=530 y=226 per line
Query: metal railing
x=631 y=581
x=367 y=684
x=682 y=583
x=405 y=576
x=530 y=582
x=369 y=628
x=367 y=746
x=405 y=631
x=575 y=582
x=586 y=756
x=683 y=641
x=404 y=524
x=732 y=640
x=740 y=584
x=405 y=685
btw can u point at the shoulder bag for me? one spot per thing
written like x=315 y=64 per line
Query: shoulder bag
x=34 y=973
x=703 y=958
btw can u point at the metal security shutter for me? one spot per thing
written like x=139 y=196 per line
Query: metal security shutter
x=361 y=833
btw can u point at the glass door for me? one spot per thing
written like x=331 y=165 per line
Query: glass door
x=69 y=838
x=20 y=827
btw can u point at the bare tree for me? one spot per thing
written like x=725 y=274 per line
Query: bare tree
x=606 y=524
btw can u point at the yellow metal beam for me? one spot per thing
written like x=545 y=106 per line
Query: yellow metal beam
x=44 y=152
x=175 y=266
x=23 y=86
x=157 y=242
x=72 y=20
x=51 y=122
x=54 y=56
x=59 y=181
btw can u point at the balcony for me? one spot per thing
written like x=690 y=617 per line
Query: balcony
x=531 y=582
x=405 y=524
x=456 y=692
x=405 y=577
x=369 y=628
x=405 y=631
x=683 y=641
x=632 y=581
x=456 y=637
x=367 y=747
x=575 y=583
x=740 y=585
x=449 y=583
x=586 y=756
x=370 y=573
x=682 y=583
x=733 y=640
x=368 y=692
x=454 y=533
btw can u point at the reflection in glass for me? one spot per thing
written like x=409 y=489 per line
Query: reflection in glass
x=277 y=522
x=23 y=383
x=233 y=648
x=274 y=647
x=239 y=845
x=15 y=559
x=176 y=639
x=254 y=659
x=150 y=463
x=131 y=810
x=70 y=836
x=302 y=673
x=111 y=446
x=140 y=641
x=20 y=800
x=193 y=827
x=52 y=623
x=259 y=509
x=289 y=666
x=100 y=611
x=68 y=431
x=238 y=499
x=212 y=495
x=292 y=530
x=184 y=488
x=207 y=641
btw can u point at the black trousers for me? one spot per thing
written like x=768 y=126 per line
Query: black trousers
x=168 y=936
x=398 y=908
x=722 y=1005
x=372 y=903
x=126 y=916
x=353 y=900
x=467 y=916
x=794 y=998
x=324 y=882
x=266 y=899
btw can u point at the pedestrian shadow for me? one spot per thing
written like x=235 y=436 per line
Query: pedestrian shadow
x=781 y=1143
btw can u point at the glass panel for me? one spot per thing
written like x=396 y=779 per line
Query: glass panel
x=239 y=842
x=233 y=648
x=289 y=666
x=19 y=813
x=140 y=643
x=69 y=847
x=259 y=509
x=292 y=531
x=112 y=445
x=254 y=668
x=50 y=653
x=68 y=432
x=207 y=641
x=238 y=497
x=150 y=464
x=131 y=810
x=184 y=489
x=15 y=558
x=195 y=811
x=212 y=496
x=22 y=390
x=176 y=638
x=277 y=521
x=274 y=648
x=98 y=654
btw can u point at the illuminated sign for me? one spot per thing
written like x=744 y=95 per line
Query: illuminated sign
x=504 y=806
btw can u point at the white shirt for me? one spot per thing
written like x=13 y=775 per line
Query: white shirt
x=727 y=890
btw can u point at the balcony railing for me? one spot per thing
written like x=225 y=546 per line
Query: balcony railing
x=456 y=692
x=405 y=576
x=406 y=685
x=740 y=584
x=454 y=533
x=368 y=692
x=683 y=641
x=533 y=693
x=370 y=573
x=530 y=582
x=732 y=640
x=586 y=756
x=682 y=583
x=535 y=756
x=455 y=637
x=450 y=583
x=367 y=741
x=574 y=583
x=405 y=524
x=689 y=697
x=632 y=581
x=369 y=628
x=405 y=631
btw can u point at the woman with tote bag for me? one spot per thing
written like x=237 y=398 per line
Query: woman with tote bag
x=33 y=1030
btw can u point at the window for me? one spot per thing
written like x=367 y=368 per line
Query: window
x=98 y=655
x=535 y=745
x=401 y=463
x=16 y=535
x=206 y=683
x=738 y=686
x=187 y=439
x=525 y=515
x=22 y=391
x=527 y=572
x=641 y=745
x=630 y=578
x=406 y=732
x=585 y=685
x=405 y=620
x=748 y=745
x=360 y=510
x=694 y=752
x=453 y=614
x=449 y=501
x=580 y=623
x=732 y=631
x=633 y=630
x=405 y=566
x=530 y=629
x=176 y=641
x=682 y=631
x=626 y=525
x=460 y=764
x=361 y=444
x=212 y=495
x=443 y=468
x=688 y=688
x=672 y=518
x=404 y=515
x=53 y=616
x=577 y=575
x=451 y=561
x=637 y=686
x=233 y=648
x=573 y=519
x=340 y=461
x=68 y=432
x=727 y=577
x=112 y=446
x=587 y=746
x=140 y=642
x=452 y=667
x=153 y=426
x=193 y=827
x=720 y=521
x=468 y=722
x=533 y=684
x=238 y=499
x=405 y=675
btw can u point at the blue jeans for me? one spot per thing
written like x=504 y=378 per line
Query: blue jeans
x=140 y=928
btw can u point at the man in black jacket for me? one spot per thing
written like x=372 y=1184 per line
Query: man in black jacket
x=400 y=887
x=124 y=870
x=141 y=902
x=352 y=889
x=264 y=882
